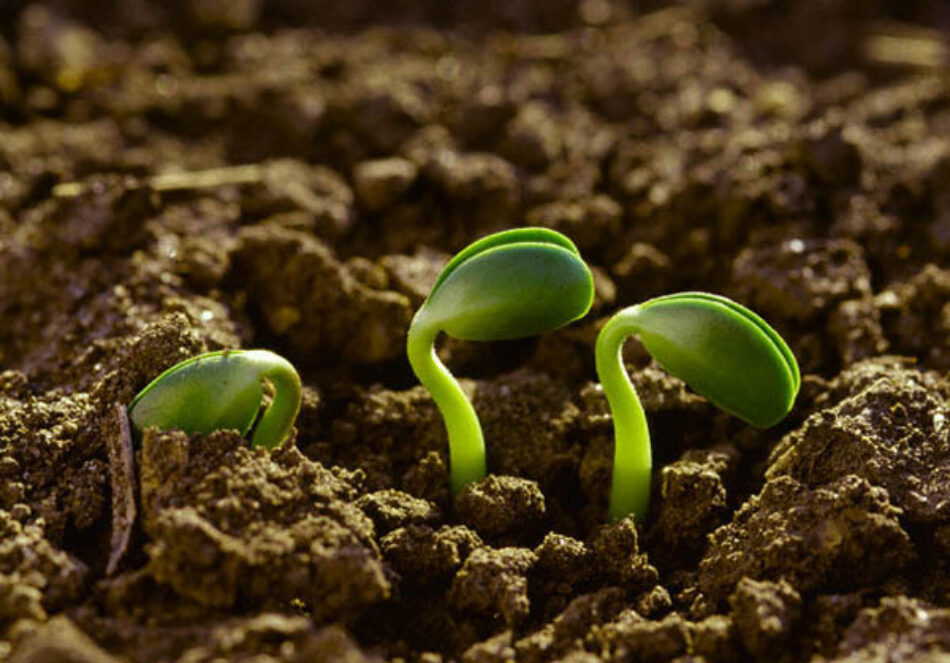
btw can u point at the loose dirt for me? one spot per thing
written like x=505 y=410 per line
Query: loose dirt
x=177 y=177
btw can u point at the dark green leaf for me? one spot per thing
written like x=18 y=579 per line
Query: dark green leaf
x=511 y=290
x=724 y=352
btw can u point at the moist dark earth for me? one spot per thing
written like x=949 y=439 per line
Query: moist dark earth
x=177 y=177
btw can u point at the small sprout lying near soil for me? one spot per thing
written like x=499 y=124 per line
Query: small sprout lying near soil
x=721 y=349
x=222 y=390
x=509 y=285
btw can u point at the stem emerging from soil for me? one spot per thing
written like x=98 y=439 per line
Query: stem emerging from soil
x=466 y=443
x=633 y=462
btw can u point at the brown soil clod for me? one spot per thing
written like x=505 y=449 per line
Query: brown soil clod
x=494 y=582
x=307 y=297
x=502 y=508
x=178 y=177
x=891 y=428
x=692 y=502
x=765 y=615
x=896 y=625
x=35 y=577
x=60 y=640
x=228 y=525
x=423 y=555
x=616 y=550
x=838 y=536
x=392 y=509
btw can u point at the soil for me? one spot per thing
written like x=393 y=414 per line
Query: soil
x=177 y=177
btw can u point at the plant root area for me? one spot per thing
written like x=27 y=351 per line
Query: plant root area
x=178 y=177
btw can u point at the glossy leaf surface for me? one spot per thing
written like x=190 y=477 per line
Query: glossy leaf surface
x=723 y=351
x=222 y=390
x=510 y=285
x=506 y=237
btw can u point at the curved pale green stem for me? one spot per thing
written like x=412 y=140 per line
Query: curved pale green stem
x=279 y=416
x=466 y=442
x=718 y=347
x=512 y=284
x=633 y=461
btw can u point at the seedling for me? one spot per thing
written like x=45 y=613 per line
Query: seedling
x=222 y=390
x=721 y=349
x=508 y=285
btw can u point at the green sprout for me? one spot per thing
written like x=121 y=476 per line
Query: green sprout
x=508 y=285
x=222 y=390
x=721 y=349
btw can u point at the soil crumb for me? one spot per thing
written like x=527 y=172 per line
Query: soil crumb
x=181 y=177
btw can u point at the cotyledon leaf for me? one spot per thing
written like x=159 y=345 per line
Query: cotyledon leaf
x=511 y=291
x=723 y=351
x=531 y=235
x=222 y=390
